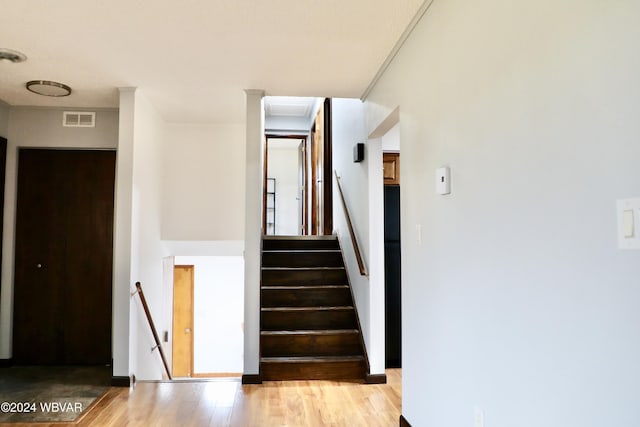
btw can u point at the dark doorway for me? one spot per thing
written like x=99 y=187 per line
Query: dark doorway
x=63 y=257
x=393 y=313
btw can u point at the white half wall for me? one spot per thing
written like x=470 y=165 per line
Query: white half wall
x=38 y=127
x=516 y=300
x=362 y=186
x=204 y=182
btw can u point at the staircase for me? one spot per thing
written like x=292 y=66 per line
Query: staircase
x=308 y=323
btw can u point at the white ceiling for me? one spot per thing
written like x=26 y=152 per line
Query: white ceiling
x=193 y=58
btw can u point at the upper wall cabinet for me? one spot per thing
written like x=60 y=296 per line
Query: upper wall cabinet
x=391 y=164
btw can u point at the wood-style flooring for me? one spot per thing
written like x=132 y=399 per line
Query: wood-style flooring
x=229 y=403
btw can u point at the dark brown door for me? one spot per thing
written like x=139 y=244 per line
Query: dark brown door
x=64 y=257
x=322 y=171
x=392 y=277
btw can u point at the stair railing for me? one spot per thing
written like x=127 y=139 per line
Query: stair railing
x=352 y=233
x=153 y=328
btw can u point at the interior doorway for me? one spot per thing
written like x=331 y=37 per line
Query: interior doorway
x=285 y=189
x=206 y=319
x=308 y=122
x=392 y=248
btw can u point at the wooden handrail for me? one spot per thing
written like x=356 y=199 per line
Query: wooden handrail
x=352 y=233
x=153 y=328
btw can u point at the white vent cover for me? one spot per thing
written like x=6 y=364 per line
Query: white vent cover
x=79 y=119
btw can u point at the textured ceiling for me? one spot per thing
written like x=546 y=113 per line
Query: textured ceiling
x=193 y=58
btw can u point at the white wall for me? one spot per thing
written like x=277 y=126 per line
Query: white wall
x=362 y=185
x=146 y=248
x=218 y=313
x=39 y=127
x=204 y=182
x=283 y=159
x=188 y=199
x=518 y=300
x=165 y=330
x=391 y=140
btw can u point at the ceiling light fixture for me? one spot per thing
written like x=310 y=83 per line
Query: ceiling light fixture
x=48 y=88
x=12 y=55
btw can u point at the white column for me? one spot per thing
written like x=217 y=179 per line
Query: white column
x=376 y=258
x=252 y=230
x=122 y=234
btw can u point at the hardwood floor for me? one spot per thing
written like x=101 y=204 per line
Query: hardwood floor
x=229 y=403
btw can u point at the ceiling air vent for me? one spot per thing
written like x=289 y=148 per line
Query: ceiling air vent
x=78 y=119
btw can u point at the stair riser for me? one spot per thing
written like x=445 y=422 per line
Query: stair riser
x=302 y=259
x=310 y=345
x=282 y=244
x=303 y=277
x=294 y=320
x=312 y=371
x=306 y=297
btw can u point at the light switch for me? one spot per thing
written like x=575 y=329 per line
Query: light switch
x=627 y=223
x=628 y=213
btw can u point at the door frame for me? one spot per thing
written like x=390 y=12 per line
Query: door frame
x=322 y=205
x=305 y=206
x=327 y=165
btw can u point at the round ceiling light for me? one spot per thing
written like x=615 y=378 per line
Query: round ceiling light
x=48 y=88
x=12 y=55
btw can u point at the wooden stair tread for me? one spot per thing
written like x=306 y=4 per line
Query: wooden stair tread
x=312 y=359
x=301 y=268
x=303 y=251
x=312 y=332
x=309 y=238
x=303 y=287
x=339 y=308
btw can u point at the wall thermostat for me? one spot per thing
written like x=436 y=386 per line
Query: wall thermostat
x=443 y=180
